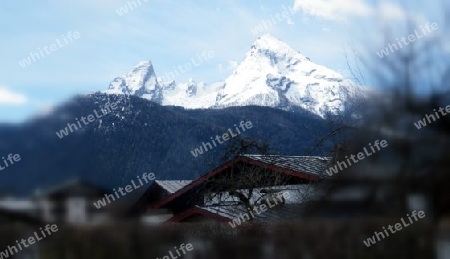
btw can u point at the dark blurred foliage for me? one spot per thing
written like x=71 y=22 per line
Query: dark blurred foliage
x=414 y=82
x=306 y=239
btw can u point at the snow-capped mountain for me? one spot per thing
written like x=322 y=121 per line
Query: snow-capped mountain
x=271 y=74
x=140 y=81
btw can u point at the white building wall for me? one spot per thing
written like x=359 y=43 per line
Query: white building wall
x=76 y=210
x=45 y=208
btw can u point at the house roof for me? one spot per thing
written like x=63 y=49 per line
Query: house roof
x=302 y=167
x=314 y=165
x=69 y=186
x=294 y=205
x=228 y=213
x=173 y=186
x=16 y=204
x=169 y=186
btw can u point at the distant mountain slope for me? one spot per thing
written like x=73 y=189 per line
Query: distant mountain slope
x=140 y=136
x=271 y=74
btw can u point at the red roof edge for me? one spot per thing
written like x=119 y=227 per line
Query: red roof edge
x=228 y=164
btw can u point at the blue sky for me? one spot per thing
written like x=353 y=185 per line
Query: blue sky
x=170 y=33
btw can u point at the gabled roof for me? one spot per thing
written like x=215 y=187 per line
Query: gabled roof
x=173 y=186
x=153 y=193
x=307 y=168
x=314 y=165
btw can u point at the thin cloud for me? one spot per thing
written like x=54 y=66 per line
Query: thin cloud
x=341 y=11
x=336 y=10
x=391 y=11
x=8 y=97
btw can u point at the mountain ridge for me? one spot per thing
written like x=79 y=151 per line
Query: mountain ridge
x=272 y=74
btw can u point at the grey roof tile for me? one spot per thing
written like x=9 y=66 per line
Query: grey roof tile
x=277 y=213
x=174 y=185
x=314 y=165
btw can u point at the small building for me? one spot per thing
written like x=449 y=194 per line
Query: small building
x=17 y=210
x=20 y=213
x=219 y=194
x=157 y=191
x=73 y=203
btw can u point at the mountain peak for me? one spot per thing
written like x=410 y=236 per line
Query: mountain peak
x=275 y=74
x=141 y=80
x=267 y=39
x=269 y=45
x=145 y=63
x=143 y=67
x=271 y=74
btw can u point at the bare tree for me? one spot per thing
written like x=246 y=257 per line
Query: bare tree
x=248 y=184
x=414 y=83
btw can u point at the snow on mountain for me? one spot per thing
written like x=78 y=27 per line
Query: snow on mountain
x=274 y=74
x=271 y=74
x=140 y=81
x=191 y=95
